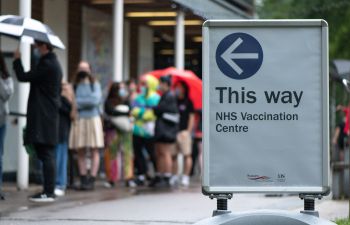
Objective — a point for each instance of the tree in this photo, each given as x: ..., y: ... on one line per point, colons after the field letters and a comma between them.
x: 335, y: 12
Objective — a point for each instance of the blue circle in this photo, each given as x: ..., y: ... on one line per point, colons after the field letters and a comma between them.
x: 247, y: 59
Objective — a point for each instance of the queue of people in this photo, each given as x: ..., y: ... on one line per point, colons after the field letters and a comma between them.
x: 137, y: 131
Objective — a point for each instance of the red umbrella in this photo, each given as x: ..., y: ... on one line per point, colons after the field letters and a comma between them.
x: 193, y: 82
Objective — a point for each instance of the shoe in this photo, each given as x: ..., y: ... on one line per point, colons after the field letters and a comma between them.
x: 108, y: 184
x: 160, y: 182
x: 91, y: 183
x: 164, y: 183
x: 131, y: 183
x: 174, y: 181
x: 140, y: 180
x: 154, y: 182
x: 42, y: 198
x: 59, y: 192
x: 185, y: 181
x: 84, y: 183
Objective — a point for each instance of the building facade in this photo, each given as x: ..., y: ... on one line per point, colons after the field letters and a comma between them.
x: 153, y: 34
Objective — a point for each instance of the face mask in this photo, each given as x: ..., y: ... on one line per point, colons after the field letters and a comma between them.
x: 36, y: 56
x: 36, y: 52
x: 143, y: 90
x: 177, y: 92
x: 123, y: 92
x: 82, y: 75
x: 132, y: 89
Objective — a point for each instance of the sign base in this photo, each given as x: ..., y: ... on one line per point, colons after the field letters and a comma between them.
x: 265, y: 217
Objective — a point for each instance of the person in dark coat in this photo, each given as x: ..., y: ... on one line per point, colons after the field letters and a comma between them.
x: 165, y: 133
x: 42, y: 113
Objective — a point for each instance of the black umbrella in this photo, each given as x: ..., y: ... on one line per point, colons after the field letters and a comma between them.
x: 28, y: 30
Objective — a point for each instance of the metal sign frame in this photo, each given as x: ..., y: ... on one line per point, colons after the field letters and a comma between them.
x: 213, y: 190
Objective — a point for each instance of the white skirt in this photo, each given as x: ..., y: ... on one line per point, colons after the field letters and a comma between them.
x: 86, y: 133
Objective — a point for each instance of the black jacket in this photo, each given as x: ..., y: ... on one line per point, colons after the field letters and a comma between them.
x: 44, y: 99
x: 165, y: 131
x: 111, y: 111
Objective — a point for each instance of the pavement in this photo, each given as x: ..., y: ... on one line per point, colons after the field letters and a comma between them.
x: 144, y: 206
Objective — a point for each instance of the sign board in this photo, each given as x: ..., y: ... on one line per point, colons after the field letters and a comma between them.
x: 265, y: 106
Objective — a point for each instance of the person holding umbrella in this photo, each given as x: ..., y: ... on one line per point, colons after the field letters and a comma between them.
x: 42, y: 112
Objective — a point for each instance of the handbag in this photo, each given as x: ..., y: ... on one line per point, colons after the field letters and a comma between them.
x: 166, y: 131
x: 28, y: 147
x: 122, y: 123
x: 171, y: 117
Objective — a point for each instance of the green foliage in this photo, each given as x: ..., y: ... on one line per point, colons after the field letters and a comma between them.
x: 335, y: 12
x: 342, y: 221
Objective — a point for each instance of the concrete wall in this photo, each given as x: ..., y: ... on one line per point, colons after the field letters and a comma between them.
x: 97, y: 48
x: 56, y: 16
x: 146, y: 49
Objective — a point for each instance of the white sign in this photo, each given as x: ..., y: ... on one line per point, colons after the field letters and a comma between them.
x: 265, y: 106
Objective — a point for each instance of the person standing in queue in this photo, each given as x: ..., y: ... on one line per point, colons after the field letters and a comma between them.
x: 42, y: 113
x: 144, y: 123
x: 66, y: 115
x: 6, y: 90
x: 184, y: 136
x: 86, y: 131
x: 119, y: 135
x: 165, y: 133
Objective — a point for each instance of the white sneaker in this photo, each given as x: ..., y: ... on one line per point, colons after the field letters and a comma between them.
x: 42, y: 198
x: 107, y: 184
x: 174, y: 180
x: 131, y: 184
x: 185, y: 181
x: 59, y: 192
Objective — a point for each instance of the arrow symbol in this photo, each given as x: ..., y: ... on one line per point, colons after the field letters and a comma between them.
x: 228, y: 56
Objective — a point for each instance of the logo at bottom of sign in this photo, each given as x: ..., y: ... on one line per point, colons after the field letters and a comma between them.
x: 281, y: 177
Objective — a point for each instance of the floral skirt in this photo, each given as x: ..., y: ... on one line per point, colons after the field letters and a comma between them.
x: 118, y: 157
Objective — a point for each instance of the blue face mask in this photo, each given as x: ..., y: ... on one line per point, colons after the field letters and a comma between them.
x: 143, y: 90
x: 36, y: 56
x: 36, y: 52
x: 177, y: 92
x: 123, y: 92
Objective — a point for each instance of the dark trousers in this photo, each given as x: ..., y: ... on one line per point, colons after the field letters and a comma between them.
x: 73, y: 167
x: 140, y: 143
x: 46, y: 154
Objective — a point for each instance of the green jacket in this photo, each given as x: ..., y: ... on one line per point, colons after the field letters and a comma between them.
x: 142, y: 109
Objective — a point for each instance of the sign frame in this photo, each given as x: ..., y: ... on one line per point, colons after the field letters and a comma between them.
x: 324, y: 189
